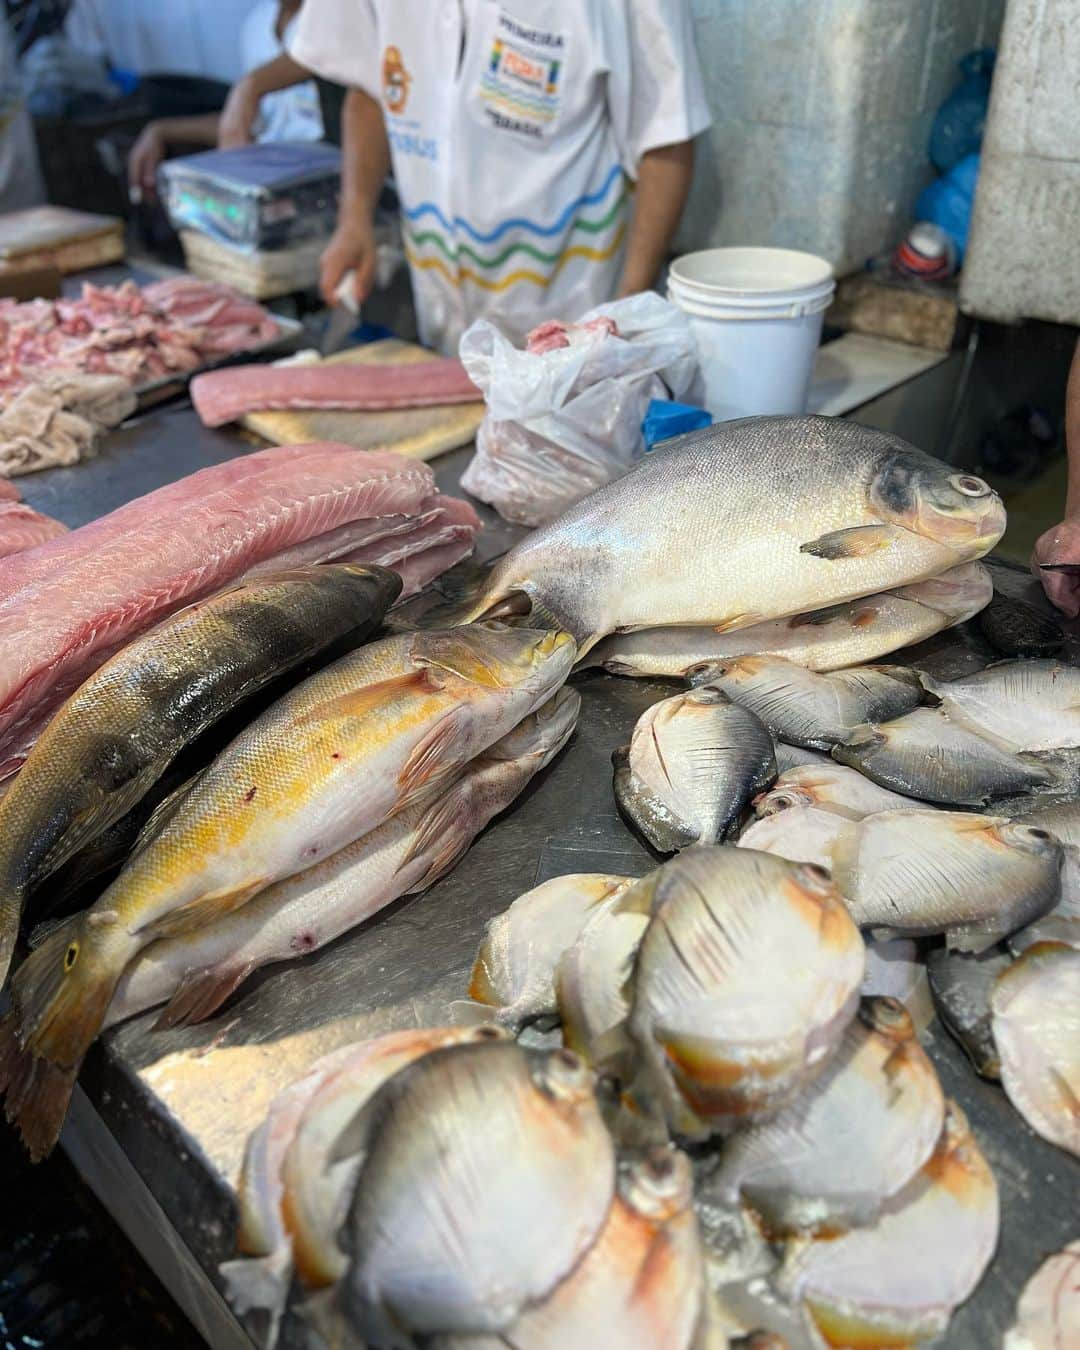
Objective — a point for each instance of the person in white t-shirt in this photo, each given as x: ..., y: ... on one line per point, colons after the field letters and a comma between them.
x: 541, y: 149
x: 275, y: 101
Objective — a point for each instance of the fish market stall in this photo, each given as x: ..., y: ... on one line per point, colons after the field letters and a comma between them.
x: 161, y: 1121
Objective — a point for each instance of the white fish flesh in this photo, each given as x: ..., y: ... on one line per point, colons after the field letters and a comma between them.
x: 929, y: 755
x: 1025, y: 705
x: 897, y: 1282
x: 515, y: 966
x: 693, y: 763
x: 816, y: 711
x: 850, y: 634
x: 775, y: 516
x: 747, y: 974
x: 1036, y: 1021
x: 974, y: 878
x: 856, y: 1135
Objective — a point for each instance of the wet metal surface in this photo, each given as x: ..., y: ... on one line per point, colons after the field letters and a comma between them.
x: 181, y: 1103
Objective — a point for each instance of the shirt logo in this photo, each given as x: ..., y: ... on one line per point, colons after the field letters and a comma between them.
x: 395, y: 81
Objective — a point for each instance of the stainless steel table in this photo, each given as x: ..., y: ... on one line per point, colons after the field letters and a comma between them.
x: 159, y: 1126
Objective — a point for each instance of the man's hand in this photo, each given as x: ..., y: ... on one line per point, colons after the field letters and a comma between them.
x: 238, y: 115
x: 1060, y: 545
x: 351, y: 245
x: 146, y: 154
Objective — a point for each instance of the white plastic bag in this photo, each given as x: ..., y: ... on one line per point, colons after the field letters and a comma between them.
x: 561, y: 424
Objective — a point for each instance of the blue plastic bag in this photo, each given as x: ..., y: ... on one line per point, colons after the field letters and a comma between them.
x: 948, y: 202
x: 958, y: 127
x: 665, y: 419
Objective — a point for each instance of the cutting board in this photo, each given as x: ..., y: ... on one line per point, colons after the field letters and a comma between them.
x: 55, y: 236
x: 420, y: 432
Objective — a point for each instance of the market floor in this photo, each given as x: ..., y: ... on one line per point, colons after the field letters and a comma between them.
x: 68, y: 1276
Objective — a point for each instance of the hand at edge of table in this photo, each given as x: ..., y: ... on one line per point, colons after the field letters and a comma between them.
x: 1059, y: 544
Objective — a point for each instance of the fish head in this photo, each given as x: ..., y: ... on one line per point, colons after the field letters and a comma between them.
x: 658, y: 1184
x: 958, y: 593
x: 732, y: 671
x: 562, y: 1075
x: 543, y: 733
x: 1031, y: 839
x: 919, y: 494
x: 888, y: 1017
x: 779, y: 799
x: 495, y: 656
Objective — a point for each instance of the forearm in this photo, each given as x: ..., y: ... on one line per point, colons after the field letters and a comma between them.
x: 1072, y: 435
x: 365, y: 156
x: 281, y: 73
x: 664, y: 176
x: 200, y: 130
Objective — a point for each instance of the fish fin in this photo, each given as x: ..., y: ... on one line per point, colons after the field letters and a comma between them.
x: 466, y: 1012
x: 201, y: 993
x: 359, y: 702
x: 37, y: 1093
x: 260, y: 1284
x: 204, y: 909
x: 857, y: 542
x: 325, y: 1319
x: 444, y: 831
x: 426, y: 761
x: 741, y: 620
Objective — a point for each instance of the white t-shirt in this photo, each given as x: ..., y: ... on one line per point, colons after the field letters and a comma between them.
x: 289, y: 114
x: 516, y: 128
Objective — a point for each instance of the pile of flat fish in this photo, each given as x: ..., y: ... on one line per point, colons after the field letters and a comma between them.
x: 365, y: 782
x: 842, y: 1198
x: 775, y: 517
x: 448, y: 1187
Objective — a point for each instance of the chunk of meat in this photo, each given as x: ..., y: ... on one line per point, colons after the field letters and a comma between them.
x: 222, y: 396
x: 21, y: 527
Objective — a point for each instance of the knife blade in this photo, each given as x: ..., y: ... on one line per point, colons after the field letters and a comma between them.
x: 343, y: 317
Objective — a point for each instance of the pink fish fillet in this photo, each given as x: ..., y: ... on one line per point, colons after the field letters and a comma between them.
x: 67, y: 605
x: 222, y: 396
x: 9, y: 492
x: 21, y: 527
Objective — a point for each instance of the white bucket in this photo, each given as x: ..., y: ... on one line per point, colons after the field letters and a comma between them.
x: 756, y: 314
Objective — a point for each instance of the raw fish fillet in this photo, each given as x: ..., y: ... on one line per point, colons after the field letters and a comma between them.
x: 9, y: 492
x: 68, y: 605
x: 222, y: 396
x: 22, y: 527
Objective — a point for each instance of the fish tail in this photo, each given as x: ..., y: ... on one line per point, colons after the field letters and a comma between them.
x: 260, y: 1286
x: 59, y: 996
x: 457, y: 597
x: 36, y: 1093
x: 201, y: 993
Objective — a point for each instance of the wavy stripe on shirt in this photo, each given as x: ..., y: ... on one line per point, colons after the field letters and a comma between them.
x: 517, y: 222
x: 418, y: 238
x: 455, y: 277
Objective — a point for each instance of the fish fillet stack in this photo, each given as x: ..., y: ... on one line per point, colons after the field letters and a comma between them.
x: 366, y: 781
x: 842, y: 1199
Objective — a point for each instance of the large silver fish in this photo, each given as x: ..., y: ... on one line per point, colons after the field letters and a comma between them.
x: 928, y: 755
x: 746, y: 521
x: 815, y: 711
x: 974, y: 878
x: 693, y: 763
x: 488, y: 1173
x: 1036, y: 1019
x: 747, y: 974
x: 850, y: 634
x: 831, y: 787
x: 850, y: 1140
x: 897, y: 1281
x: 1024, y: 705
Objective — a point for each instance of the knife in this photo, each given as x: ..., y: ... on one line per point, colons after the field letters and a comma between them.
x: 343, y: 317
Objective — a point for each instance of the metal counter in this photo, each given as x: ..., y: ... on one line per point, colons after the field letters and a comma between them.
x: 159, y: 1127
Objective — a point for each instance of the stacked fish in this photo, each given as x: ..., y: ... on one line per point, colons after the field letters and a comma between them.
x: 363, y: 783
x: 842, y: 1199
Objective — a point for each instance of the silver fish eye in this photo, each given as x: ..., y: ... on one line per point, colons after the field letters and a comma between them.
x: 969, y: 485
x: 1035, y: 833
